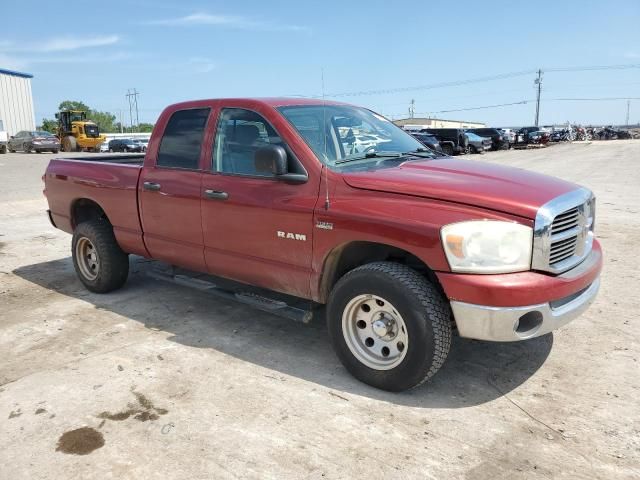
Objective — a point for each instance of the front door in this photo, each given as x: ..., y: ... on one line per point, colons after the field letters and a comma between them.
x: 257, y: 229
x: 169, y: 192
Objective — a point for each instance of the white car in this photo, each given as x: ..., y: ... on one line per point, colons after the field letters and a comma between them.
x: 144, y: 142
x: 510, y: 134
x: 104, y: 147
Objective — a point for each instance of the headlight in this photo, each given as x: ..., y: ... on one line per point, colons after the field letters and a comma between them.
x: 487, y: 246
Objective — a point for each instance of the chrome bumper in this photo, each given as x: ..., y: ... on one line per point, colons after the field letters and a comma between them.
x: 510, y: 324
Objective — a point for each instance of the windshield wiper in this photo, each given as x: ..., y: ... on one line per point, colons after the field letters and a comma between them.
x: 367, y: 155
x: 426, y: 152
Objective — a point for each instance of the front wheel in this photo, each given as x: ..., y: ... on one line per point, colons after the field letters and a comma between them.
x: 390, y: 327
x: 97, y: 258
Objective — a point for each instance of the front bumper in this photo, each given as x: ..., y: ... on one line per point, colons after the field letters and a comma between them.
x: 509, y: 324
x: 517, y: 306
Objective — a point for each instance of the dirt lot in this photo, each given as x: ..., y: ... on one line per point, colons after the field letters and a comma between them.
x: 161, y: 381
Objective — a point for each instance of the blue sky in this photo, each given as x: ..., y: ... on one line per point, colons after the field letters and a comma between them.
x: 173, y: 51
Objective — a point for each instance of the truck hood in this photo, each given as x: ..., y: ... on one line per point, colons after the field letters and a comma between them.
x: 506, y: 189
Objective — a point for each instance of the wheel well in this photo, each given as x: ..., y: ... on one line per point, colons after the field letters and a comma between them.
x: 349, y: 256
x: 84, y: 210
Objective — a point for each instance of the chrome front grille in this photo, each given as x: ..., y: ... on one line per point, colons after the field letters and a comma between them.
x: 563, y: 234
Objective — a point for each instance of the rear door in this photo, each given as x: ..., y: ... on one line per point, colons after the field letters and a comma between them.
x: 257, y: 229
x: 169, y: 191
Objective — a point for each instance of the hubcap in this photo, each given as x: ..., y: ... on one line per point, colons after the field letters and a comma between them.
x: 375, y: 332
x: 87, y: 258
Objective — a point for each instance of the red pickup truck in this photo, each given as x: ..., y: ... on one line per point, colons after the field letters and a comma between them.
x: 333, y: 204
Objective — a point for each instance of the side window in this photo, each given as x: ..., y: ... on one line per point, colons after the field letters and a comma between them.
x: 239, y: 135
x: 182, y: 139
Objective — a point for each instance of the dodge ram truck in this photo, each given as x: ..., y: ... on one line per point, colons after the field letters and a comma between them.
x: 398, y: 247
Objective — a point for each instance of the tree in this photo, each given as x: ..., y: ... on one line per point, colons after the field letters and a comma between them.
x: 48, y: 125
x: 73, y: 105
x: 145, y: 127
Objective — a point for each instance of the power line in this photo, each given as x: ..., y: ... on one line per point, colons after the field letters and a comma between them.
x: 132, y: 97
x: 457, y: 83
x: 522, y: 102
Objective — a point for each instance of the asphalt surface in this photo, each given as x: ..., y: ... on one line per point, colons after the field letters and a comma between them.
x: 162, y: 381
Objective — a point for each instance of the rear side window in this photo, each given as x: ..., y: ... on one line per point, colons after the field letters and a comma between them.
x: 182, y: 139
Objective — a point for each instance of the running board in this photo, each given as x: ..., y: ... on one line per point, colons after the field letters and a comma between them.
x: 259, y: 302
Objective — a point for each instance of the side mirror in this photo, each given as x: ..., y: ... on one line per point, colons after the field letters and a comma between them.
x: 12, y: 137
x: 273, y: 159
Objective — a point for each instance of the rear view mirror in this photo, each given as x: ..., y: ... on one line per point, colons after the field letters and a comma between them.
x: 273, y: 159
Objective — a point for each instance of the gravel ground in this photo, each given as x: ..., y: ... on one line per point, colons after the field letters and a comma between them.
x: 162, y: 381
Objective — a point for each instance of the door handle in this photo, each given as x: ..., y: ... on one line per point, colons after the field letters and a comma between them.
x: 216, y: 194
x: 154, y: 187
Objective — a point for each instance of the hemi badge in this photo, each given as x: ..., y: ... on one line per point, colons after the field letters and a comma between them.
x: 324, y: 225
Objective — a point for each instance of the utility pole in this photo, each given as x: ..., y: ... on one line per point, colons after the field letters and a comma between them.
x: 132, y: 97
x: 538, y: 82
x: 412, y: 108
x: 628, y: 107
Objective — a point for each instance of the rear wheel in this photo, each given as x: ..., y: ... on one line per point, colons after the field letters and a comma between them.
x: 99, y: 261
x: 447, y: 149
x: 389, y: 326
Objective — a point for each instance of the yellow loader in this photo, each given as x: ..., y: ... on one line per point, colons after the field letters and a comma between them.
x: 76, y: 133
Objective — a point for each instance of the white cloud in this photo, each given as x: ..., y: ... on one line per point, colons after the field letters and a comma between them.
x: 74, y: 43
x: 60, y: 44
x: 231, y: 21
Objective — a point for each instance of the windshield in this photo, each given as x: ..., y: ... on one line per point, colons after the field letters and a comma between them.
x: 42, y: 134
x: 339, y: 133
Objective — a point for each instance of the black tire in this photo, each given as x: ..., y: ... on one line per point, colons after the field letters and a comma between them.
x: 3, y: 149
x: 26, y: 148
x: 425, y: 313
x: 447, y: 150
x: 55, y: 151
x: 113, y: 262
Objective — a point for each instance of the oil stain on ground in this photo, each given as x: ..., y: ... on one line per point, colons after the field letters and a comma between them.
x: 145, y: 410
x: 80, y: 441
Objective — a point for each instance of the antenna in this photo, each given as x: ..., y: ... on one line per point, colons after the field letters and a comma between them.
x: 324, y: 136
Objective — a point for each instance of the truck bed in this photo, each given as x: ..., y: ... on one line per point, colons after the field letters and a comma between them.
x: 108, y: 181
x: 129, y: 159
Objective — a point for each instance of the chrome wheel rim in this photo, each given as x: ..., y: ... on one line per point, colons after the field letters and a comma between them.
x: 87, y: 258
x: 375, y: 332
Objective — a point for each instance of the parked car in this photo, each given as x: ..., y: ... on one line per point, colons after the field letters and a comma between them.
x: 4, y: 138
x: 452, y: 140
x: 124, y: 145
x: 477, y: 144
x: 400, y: 244
x: 143, y: 142
x: 104, y: 147
x: 498, y: 140
x: 509, y: 134
x: 427, y: 140
x: 38, y: 141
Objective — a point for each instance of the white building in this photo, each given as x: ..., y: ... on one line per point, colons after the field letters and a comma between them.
x: 16, y: 102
